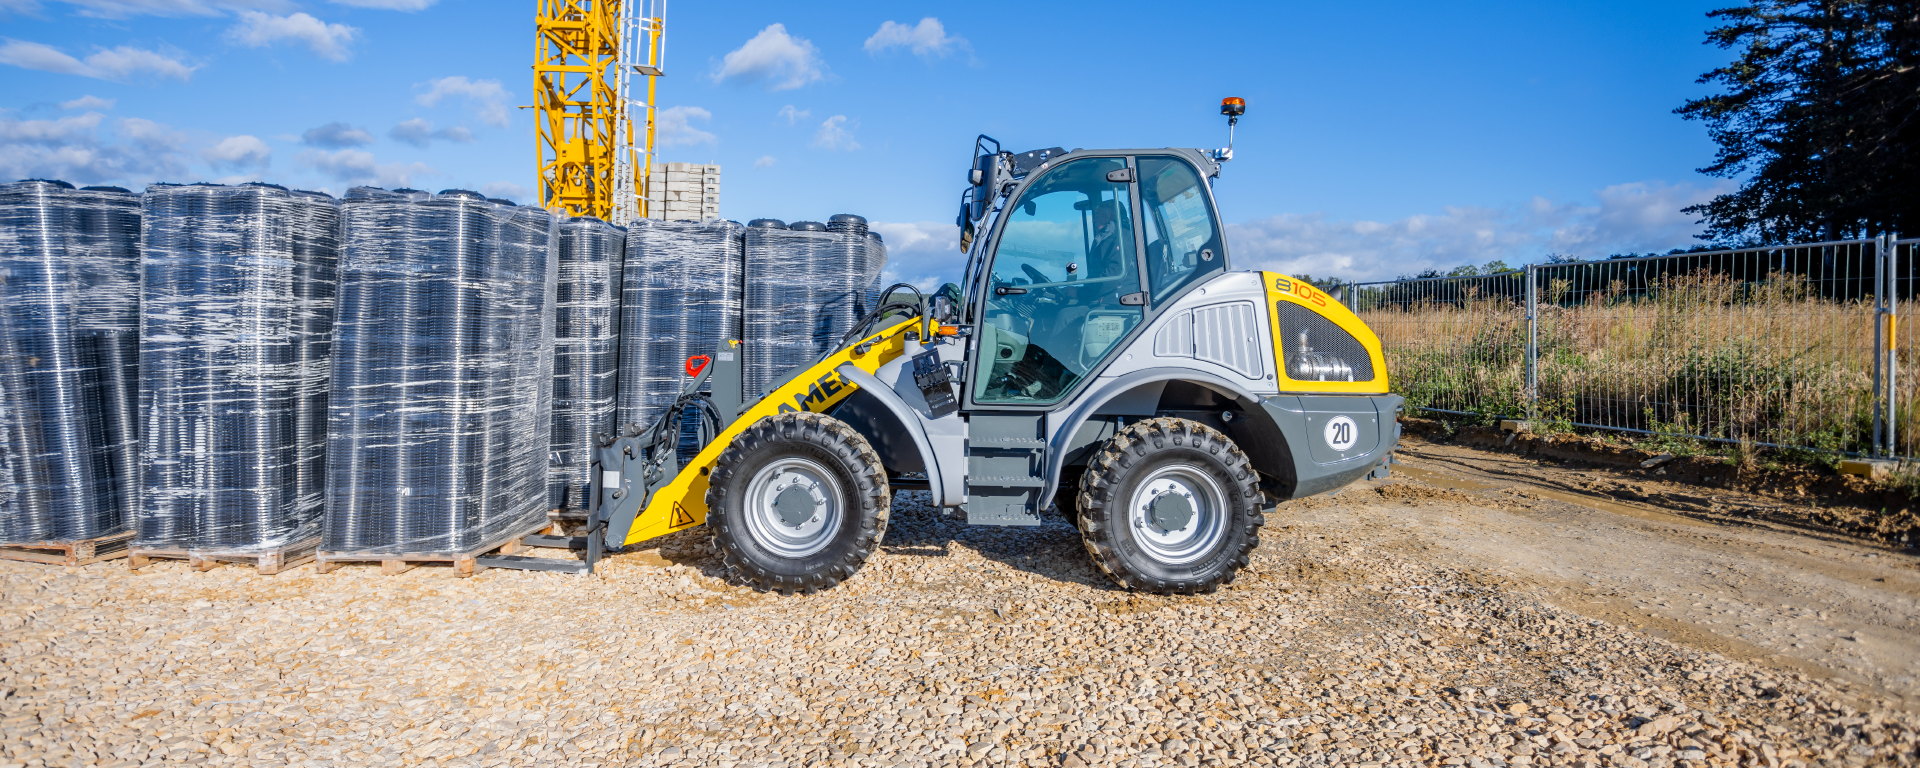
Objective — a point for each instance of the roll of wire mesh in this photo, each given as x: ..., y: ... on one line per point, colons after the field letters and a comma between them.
x: 680, y: 297
x: 69, y: 308
x: 586, y: 352
x: 806, y: 287
x: 437, y: 433
x: 860, y: 246
x: 109, y: 316
x: 234, y: 299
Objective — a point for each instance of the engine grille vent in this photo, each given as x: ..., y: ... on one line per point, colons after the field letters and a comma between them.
x: 1317, y: 350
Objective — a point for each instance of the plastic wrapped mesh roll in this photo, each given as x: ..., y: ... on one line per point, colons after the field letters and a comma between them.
x: 234, y: 306
x: 806, y: 287
x: 438, y: 430
x: 586, y: 352
x: 69, y: 307
x: 109, y: 317
x: 876, y: 261
x: 316, y: 256
x: 864, y: 248
x: 680, y: 296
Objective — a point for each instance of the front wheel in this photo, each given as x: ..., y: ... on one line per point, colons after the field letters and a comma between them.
x: 1170, y: 506
x: 797, y: 503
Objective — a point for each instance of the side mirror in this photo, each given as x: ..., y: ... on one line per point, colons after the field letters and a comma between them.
x: 946, y: 304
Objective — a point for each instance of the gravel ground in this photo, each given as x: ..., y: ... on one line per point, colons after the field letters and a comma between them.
x: 1346, y: 644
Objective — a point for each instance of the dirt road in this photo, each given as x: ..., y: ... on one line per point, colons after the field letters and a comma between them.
x: 1754, y: 592
x: 1474, y: 611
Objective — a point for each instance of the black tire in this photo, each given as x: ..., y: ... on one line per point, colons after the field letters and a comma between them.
x: 1182, y: 451
x: 845, y: 461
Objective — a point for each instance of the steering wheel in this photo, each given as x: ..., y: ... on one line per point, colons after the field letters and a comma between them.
x: 1037, y: 275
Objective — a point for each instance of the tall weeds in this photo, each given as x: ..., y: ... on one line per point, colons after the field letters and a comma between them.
x: 1767, y: 361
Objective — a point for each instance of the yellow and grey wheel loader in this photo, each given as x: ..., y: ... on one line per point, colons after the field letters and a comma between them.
x: 1100, y: 354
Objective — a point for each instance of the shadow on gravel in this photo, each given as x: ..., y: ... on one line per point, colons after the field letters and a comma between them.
x: 1051, y: 550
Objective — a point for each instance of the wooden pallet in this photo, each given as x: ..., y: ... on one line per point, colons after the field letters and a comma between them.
x: 266, y: 563
x: 70, y: 553
x: 463, y: 564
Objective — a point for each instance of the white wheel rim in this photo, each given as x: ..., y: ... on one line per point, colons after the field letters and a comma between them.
x: 1160, y: 532
x: 774, y: 495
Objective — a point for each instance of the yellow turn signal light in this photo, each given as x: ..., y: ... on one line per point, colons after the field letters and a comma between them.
x: 948, y: 330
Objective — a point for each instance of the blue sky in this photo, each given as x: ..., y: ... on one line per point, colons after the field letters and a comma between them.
x: 1381, y: 137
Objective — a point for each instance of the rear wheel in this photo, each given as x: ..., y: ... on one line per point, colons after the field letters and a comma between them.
x: 1170, y: 506
x: 797, y: 503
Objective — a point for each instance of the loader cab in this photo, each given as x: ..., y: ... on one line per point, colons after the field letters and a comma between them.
x: 1079, y: 250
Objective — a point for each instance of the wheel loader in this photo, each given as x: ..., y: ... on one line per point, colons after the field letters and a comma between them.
x: 1101, y: 355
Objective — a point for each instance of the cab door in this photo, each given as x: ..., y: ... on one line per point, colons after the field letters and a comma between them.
x: 1059, y: 294
x: 1062, y: 286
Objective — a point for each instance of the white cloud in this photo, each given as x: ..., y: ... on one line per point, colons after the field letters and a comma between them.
x: 794, y: 116
x: 507, y: 190
x: 765, y: 161
x: 357, y: 166
x: 927, y: 39
x: 835, y: 135
x: 88, y: 102
x: 238, y: 153
x: 119, y: 9
x: 19, y: 6
x: 389, y: 5
x: 1636, y: 217
x: 260, y: 30
x: 72, y: 148
x: 117, y: 64
x: 420, y: 132
x: 336, y: 135
x: 924, y: 253
x: 151, y: 136
x: 779, y: 60
x: 674, y: 127
x: 486, y: 97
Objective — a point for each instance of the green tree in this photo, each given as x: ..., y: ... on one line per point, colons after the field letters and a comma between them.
x: 1817, y: 117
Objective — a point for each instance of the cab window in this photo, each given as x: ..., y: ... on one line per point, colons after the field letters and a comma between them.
x: 1183, y: 245
x: 1053, y: 309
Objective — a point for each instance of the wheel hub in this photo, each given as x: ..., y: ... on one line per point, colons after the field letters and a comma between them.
x: 1179, y: 514
x: 1171, y: 511
x: 793, y: 507
x: 796, y: 505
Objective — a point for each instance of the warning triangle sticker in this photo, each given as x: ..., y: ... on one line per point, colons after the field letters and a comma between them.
x: 680, y: 517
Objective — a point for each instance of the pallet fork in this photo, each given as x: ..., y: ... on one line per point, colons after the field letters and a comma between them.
x: 627, y: 470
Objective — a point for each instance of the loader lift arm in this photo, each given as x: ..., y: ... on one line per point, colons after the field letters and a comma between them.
x: 640, y: 487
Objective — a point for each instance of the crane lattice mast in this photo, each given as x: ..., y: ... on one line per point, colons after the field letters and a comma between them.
x: 588, y: 55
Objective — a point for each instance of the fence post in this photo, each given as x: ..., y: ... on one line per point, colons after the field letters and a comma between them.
x: 1893, y: 344
x: 1533, y: 343
x: 1882, y: 276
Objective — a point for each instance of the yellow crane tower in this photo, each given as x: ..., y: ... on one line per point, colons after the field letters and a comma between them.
x: 588, y: 55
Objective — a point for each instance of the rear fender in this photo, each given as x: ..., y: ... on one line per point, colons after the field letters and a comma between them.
x: 1141, y: 393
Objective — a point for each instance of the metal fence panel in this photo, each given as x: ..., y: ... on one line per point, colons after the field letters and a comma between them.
x: 1793, y: 346
x: 1456, y: 345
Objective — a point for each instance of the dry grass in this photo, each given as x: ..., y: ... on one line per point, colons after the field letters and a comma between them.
x: 1756, y: 362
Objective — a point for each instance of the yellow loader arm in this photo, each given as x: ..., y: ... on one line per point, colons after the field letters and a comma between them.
x: 681, y: 503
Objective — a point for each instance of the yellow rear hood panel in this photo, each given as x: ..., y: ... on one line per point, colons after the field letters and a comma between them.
x: 1285, y: 288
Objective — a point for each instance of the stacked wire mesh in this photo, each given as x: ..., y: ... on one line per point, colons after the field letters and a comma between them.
x: 440, y: 421
x: 69, y: 360
x: 236, y: 311
x: 586, y: 352
x: 807, y: 284
x: 680, y: 297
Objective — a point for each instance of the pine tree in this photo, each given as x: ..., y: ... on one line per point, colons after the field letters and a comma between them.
x: 1818, y: 115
